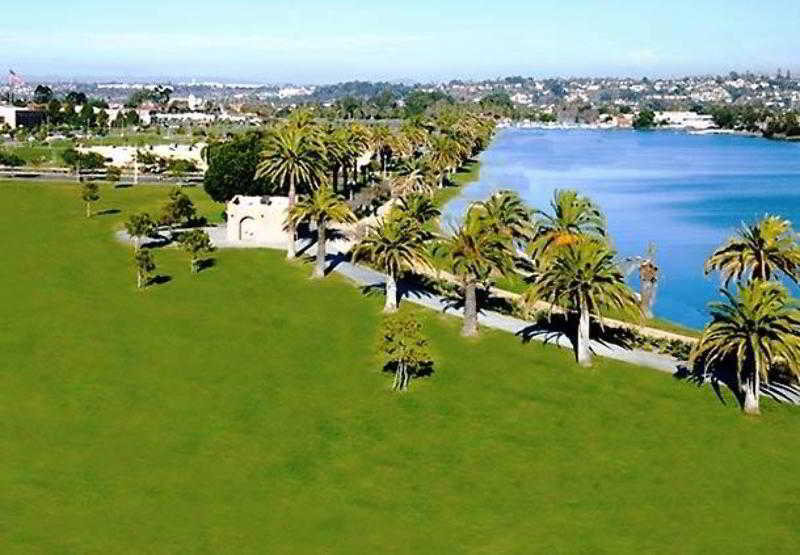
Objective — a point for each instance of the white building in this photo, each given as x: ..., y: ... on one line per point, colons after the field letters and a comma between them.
x: 685, y: 120
x: 257, y: 219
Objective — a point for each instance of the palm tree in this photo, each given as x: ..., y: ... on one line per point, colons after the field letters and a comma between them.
x: 395, y: 247
x: 337, y: 152
x: 758, y: 327
x: 574, y: 217
x: 506, y: 213
x: 444, y: 154
x: 419, y: 208
x: 359, y: 141
x: 474, y: 253
x: 322, y: 207
x: 293, y: 156
x: 383, y: 141
x: 758, y: 251
x: 414, y: 176
x: 584, y: 280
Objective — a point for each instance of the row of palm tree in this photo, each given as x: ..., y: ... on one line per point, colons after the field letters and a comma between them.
x: 756, y: 329
x: 566, y: 252
x: 301, y: 154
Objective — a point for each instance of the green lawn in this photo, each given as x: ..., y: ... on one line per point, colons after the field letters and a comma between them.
x: 243, y: 410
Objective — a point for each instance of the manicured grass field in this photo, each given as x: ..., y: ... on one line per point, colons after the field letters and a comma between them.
x: 243, y: 410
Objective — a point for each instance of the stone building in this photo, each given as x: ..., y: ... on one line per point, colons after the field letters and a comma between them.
x: 257, y: 219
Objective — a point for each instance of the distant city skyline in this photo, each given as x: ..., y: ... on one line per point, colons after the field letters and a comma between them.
x: 317, y: 42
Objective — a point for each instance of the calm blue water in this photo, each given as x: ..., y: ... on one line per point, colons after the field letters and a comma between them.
x: 687, y: 193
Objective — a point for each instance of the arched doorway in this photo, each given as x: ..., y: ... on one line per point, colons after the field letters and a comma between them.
x: 247, y: 229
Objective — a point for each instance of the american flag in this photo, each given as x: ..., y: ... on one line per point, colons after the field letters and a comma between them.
x: 14, y: 79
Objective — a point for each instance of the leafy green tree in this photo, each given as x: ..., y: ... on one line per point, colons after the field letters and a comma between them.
x: 101, y: 119
x: 113, y: 174
x: 89, y: 194
x: 86, y: 117
x: 195, y: 243
x: 232, y: 168
x: 145, y: 266
x: 179, y: 209
x: 42, y: 95
x: 394, y: 247
x: 473, y: 253
x: 138, y: 226
x: 404, y: 348
x: 757, y: 328
x: 293, y: 157
x: 10, y: 159
x: 583, y: 279
x: 758, y: 251
x: 322, y: 207
x: 644, y: 120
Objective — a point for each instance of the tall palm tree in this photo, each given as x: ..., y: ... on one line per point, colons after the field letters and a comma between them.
x: 574, y: 217
x: 757, y: 327
x: 337, y: 152
x: 758, y: 251
x: 419, y: 208
x: 322, y: 207
x: 474, y: 253
x: 414, y: 175
x: 415, y: 134
x: 506, y: 213
x: 359, y: 140
x: 293, y: 157
x: 443, y: 155
x: 583, y: 279
x: 383, y: 141
x: 395, y: 247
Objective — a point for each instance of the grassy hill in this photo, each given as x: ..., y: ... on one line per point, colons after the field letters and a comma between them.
x: 244, y: 410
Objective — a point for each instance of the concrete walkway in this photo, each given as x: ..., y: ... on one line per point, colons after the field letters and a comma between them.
x: 370, y: 278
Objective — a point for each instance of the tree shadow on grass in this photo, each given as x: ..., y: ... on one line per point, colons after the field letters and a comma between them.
x: 782, y: 387
x: 159, y: 280
x: 699, y: 376
x: 422, y: 371
x: 206, y: 264
x: 551, y: 329
x: 108, y: 212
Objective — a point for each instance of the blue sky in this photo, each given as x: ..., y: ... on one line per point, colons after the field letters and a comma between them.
x: 316, y: 41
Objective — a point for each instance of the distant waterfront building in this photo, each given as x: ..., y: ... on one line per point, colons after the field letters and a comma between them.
x: 20, y: 117
x: 685, y: 120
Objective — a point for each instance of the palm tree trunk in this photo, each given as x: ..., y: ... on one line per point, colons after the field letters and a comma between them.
x: 335, y: 179
x: 319, y: 267
x: 139, y: 280
x: 646, y: 296
x: 470, y: 327
x: 391, y: 294
x: 345, y: 172
x: 290, y: 252
x: 583, y: 351
x: 751, y: 393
